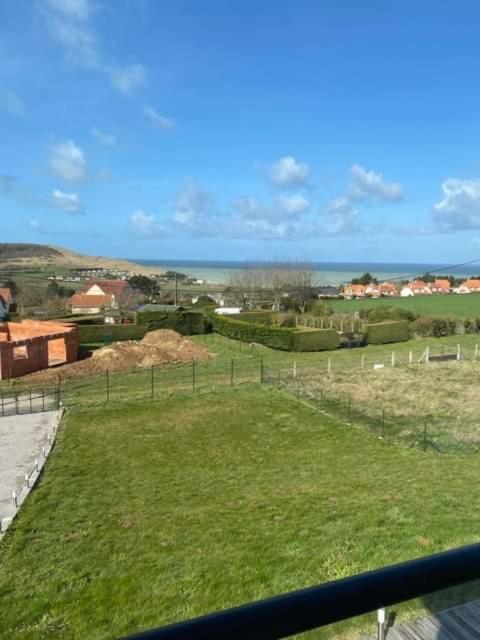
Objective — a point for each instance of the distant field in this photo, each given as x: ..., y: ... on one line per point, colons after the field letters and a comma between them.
x: 148, y: 513
x: 463, y: 306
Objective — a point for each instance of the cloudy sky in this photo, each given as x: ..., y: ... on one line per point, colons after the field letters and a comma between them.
x: 228, y: 129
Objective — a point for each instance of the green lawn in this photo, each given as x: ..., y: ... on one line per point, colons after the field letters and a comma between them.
x: 464, y: 306
x: 149, y: 513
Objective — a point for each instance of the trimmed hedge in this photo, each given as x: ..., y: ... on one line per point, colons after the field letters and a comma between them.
x: 285, y: 339
x: 384, y: 332
x: 316, y: 340
x: 101, y: 332
x: 257, y: 317
x: 187, y: 323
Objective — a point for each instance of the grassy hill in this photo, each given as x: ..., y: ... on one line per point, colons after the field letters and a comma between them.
x: 28, y: 256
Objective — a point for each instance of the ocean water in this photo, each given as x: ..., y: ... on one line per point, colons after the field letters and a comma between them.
x: 333, y: 273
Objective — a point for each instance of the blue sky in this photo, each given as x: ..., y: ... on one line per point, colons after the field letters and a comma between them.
x: 324, y: 130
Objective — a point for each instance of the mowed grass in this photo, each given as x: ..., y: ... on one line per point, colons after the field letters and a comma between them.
x: 463, y: 306
x: 148, y: 513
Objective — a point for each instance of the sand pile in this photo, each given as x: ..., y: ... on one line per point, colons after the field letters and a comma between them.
x: 156, y: 348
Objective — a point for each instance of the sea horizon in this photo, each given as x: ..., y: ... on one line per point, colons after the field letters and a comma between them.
x: 326, y: 273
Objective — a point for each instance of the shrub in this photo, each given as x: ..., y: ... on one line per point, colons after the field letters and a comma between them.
x: 187, y: 323
x: 389, y: 312
x: 428, y: 326
x: 384, y: 332
x: 283, y: 338
x: 288, y: 320
x: 257, y: 317
x: 102, y: 332
x: 316, y: 340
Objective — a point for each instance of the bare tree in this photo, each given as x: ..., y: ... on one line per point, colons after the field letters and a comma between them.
x: 272, y: 283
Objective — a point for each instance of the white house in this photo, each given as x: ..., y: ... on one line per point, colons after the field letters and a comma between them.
x: 228, y: 311
x: 100, y: 295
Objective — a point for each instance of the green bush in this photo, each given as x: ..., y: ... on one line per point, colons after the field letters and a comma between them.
x: 282, y: 338
x: 384, y: 332
x: 316, y: 340
x: 388, y: 312
x: 257, y: 317
x: 187, y: 323
x: 430, y: 326
x: 115, y: 332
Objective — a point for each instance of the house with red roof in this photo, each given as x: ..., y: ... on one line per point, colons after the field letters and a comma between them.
x: 6, y: 302
x: 354, y: 290
x: 441, y: 285
x: 415, y: 288
x: 100, y: 295
x: 471, y: 285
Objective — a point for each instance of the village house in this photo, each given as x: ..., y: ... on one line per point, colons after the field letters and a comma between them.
x: 6, y: 302
x: 98, y: 295
x: 379, y: 290
x: 354, y: 290
x: 415, y: 288
x: 441, y: 285
x: 471, y: 285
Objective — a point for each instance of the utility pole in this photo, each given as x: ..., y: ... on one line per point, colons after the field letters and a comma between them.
x: 176, y: 289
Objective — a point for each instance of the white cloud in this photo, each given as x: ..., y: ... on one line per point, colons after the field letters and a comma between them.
x: 70, y: 26
x: 127, y: 79
x: 368, y: 185
x: 146, y: 225
x: 364, y: 187
x: 460, y: 207
x: 105, y: 138
x: 12, y: 103
x: 68, y: 161
x: 287, y: 173
x: 194, y: 208
x: 157, y: 120
x: 342, y: 217
x: 293, y: 205
x: 68, y: 202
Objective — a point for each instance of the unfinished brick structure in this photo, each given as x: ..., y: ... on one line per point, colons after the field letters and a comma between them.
x: 32, y: 345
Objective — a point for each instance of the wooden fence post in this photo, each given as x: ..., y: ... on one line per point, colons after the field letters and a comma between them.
x: 329, y: 365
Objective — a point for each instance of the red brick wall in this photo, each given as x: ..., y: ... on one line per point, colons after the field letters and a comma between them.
x: 40, y: 339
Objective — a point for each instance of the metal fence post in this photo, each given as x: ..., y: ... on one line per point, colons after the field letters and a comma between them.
x: 425, y: 435
x: 152, y: 382
x: 458, y: 352
x: 108, y: 384
x: 16, y: 403
x: 383, y: 423
x: 381, y: 624
x: 231, y: 373
x: 193, y: 376
x: 348, y: 407
x: 3, y: 405
x: 261, y: 369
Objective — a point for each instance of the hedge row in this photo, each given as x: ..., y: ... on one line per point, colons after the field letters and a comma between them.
x: 257, y: 317
x: 114, y: 332
x: 384, y: 332
x: 284, y: 339
x: 187, y: 323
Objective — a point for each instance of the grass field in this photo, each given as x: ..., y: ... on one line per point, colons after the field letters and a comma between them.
x: 142, y: 518
x: 463, y: 306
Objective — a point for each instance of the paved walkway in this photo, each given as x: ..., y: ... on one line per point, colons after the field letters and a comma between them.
x: 21, y: 441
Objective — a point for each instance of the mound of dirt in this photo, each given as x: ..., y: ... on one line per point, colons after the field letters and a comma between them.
x: 156, y: 348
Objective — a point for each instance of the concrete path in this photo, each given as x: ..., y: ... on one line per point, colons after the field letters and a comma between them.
x: 21, y: 442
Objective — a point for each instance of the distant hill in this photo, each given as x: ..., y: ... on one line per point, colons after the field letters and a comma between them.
x: 26, y: 256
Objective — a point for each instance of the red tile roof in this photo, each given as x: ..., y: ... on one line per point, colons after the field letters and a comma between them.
x: 89, y: 301
x: 109, y: 287
x: 472, y: 283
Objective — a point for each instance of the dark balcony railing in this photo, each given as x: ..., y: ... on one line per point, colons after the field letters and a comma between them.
x: 300, y: 611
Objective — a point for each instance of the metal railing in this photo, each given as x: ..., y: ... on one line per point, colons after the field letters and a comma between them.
x: 319, y: 606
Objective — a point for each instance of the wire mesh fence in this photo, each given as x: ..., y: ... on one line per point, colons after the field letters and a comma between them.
x: 424, y: 429
x: 147, y: 383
